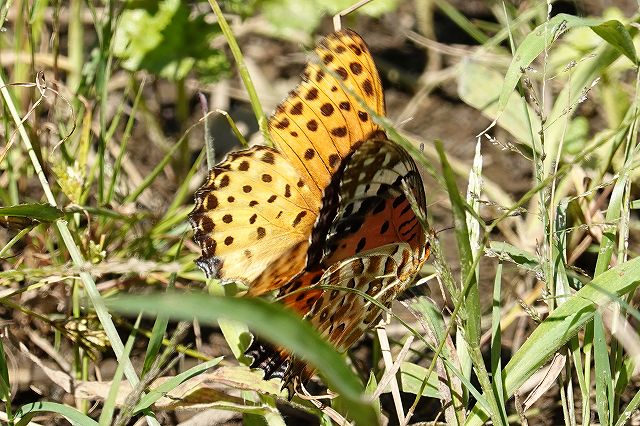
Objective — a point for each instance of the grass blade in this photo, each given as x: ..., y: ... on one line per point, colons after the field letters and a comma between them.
x: 564, y: 323
x: 271, y: 322
x: 75, y: 417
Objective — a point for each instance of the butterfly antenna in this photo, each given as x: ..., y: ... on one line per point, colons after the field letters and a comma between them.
x: 444, y: 229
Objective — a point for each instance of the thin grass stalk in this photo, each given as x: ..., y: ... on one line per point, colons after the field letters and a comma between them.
x: 469, y: 293
x: 244, y: 73
x: 5, y: 383
x: 108, y: 409
x: 148, y: 180
x: 462, y: 22
x: 623, y: 243
x: 72, y: 248
x: 496, y: 345
x: 102, y: 78
x: 81, y: 404
x: 75, y: 44
x: 123, y: 144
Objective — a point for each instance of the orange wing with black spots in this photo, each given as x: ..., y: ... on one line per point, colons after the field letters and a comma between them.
x: 252, y: 208
x: 332, y: 212
x: 374, y: 208
x: 342, y: 313
x: 259, y: 206
x: 320, y: 122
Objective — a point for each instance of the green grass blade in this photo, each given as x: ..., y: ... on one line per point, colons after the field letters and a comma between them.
x: 5, y: 384
x: 471, y: 299
x: 412, y: 380
x: 155, y: 340
x: 533, y: 45
x: 271, y: 322
x: 69, y: 242
x: 564, y: 323
x: 496, y: 345
x: 123, y: 144
x: 236, y: 333
x: 470, y: 294
x: 38, y: 211
x: 148, y: 180
x: 172, y: 383
x: 183, y: 191
x: 244, y: 73
x: 75, y: 417
x: 629, y: 410
x: 461, y: 21
x: 479, y: 87
x: 604, y: 383
x: 509, y: 253
x: 108, y: 408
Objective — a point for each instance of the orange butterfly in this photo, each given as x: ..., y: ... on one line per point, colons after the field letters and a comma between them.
x: 335, y: 210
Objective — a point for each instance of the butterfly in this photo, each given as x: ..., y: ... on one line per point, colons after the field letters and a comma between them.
x: 333, y: 217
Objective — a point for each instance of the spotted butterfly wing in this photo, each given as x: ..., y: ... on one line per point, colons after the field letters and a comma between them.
x: 259, y: 205
x: 375, y: 246
x: 320, y: 122
x: 381, y: 200
x: 250, y: 210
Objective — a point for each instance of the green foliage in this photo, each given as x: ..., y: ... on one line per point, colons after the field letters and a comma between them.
x: 37, y: 212
x: 308, y: 13
x: 166, y: 40
x: 105, y: 213
x: 270, y: 321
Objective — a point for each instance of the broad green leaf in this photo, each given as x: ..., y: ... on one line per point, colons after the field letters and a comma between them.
x: 39, y: 212
x: 533, y: 45
x: 412, y: 377
x: 370, y: 388
x: 614, y: 33
x: 270, y: 322
x: 168, y: 40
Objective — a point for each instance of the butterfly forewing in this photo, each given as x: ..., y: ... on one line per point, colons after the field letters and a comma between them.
x: 320, y: 122
x: 259, y: 205
x: 252, y: 209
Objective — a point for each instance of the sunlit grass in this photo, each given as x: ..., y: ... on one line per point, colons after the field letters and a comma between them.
x: 97, y: 182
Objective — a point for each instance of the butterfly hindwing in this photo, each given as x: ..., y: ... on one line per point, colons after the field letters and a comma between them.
x: 374, y: 207
x: 355, y: 293
x: 374, y: 248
